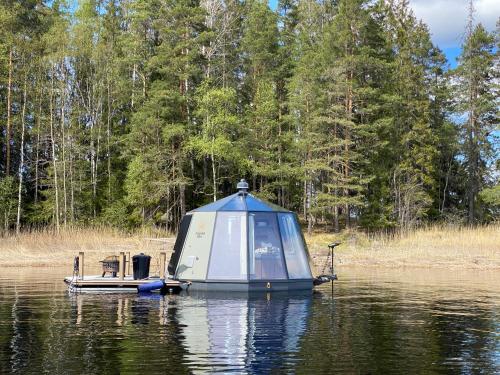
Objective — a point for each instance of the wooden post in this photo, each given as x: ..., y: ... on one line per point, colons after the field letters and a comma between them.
x: 163, y: 259
x: 121, y: 265
x: 128, y: 263
x: 80, y: 264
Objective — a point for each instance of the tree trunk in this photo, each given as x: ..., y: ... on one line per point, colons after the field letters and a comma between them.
x: 108, y: 142
x: 304, y: 197
x: 446, y: 181
x: 205, y: 172
x: 21, y: 163
x: 280, y: 178
x: 9, y: 104
x: 182, y: 198
x: 134, y: 76
x: 52, y: 141
x: 214, y: 175
x: 349, y: 105
x: 37, y: 147
x: 472, y: 167
x: 63, y: 103
x: 71, y: 181
x: 96, y: 163
x: 309, y: 216
x: 336, y: 226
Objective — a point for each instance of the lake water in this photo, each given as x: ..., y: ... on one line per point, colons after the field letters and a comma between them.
x: 374, y: 321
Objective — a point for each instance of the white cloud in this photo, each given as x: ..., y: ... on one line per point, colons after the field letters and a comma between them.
x: 447, y: 18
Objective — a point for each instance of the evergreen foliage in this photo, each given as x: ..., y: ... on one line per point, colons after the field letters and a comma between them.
x: 477, y: 102
x: 133, y: 112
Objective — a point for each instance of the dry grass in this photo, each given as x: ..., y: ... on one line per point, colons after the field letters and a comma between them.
x: 47, y: 249
x: 433, y: 247
x: 441, y: 247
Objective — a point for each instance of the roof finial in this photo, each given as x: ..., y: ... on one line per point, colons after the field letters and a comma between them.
x: 242, y: 187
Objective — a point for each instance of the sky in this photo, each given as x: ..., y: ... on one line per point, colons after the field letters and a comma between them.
x: 447, y: 19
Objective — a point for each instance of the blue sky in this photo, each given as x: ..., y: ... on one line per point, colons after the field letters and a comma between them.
x: 447, y: 18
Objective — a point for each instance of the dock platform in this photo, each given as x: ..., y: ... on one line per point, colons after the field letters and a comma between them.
x: 115, y: 284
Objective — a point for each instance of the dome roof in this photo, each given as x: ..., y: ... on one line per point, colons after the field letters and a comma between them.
x: 241, y: 201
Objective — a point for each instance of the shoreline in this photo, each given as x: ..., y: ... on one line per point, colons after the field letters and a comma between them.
x: 430, y: 248
x: 363, y: 264
x: 437, y: 247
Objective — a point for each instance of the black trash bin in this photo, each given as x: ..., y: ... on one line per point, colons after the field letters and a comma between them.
x: 140, y: 263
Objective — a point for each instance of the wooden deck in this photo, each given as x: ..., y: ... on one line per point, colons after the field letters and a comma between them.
x: 124, y: 282
x: 99, y: 283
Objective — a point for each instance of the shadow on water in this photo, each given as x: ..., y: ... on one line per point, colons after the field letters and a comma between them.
x: 368, y: 325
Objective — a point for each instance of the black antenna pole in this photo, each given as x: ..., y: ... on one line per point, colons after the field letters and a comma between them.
x: 332, y: 246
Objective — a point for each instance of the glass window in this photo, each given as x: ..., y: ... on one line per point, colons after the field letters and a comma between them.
x: 228, y: 260
x: 295, y: 252
x: 265, y: 254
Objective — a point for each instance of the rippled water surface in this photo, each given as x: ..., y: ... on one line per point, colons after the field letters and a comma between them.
x: 374, y: 321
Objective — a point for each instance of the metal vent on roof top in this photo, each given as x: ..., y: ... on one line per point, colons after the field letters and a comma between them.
x: 242, y: 187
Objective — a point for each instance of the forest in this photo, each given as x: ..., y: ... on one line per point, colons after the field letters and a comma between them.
x: 129, y: 113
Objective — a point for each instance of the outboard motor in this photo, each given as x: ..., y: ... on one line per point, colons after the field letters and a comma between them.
x: 324, y: 278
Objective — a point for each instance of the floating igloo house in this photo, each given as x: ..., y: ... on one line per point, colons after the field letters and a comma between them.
x: 241, y: 243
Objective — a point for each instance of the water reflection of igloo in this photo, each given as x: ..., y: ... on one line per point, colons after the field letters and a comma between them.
x: 242, y: 334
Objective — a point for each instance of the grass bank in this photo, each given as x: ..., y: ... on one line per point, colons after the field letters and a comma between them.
x: 434, y: 247
x: 45, y: 248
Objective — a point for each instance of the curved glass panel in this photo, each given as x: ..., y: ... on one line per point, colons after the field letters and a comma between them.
x: 254, y: 204
x: 215, y: 206
x: 295, y: 252
x: 235, y: 204
x: 264, y: 247
x: 228, y: 260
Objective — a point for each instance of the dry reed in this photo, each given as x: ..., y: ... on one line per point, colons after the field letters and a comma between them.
x: 441, y: 247
x: 431, y: 247
x: 45, y: 248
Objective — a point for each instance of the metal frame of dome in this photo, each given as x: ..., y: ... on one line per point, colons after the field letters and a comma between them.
x: 198, y: 248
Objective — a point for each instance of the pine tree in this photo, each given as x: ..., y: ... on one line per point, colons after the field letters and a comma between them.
x: 307, y: 105
x: 447, y: 169
x: 22, y: 31
x: 160, y: 128
x: 412, y: 140
x: 285, y: 182
x: 221, y: 41
x: 131, y: 112
x: 477, y: 100
x: 260, y: 45
x: 9, y: 22
x: 355, y: 62
x: 216, y: 110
